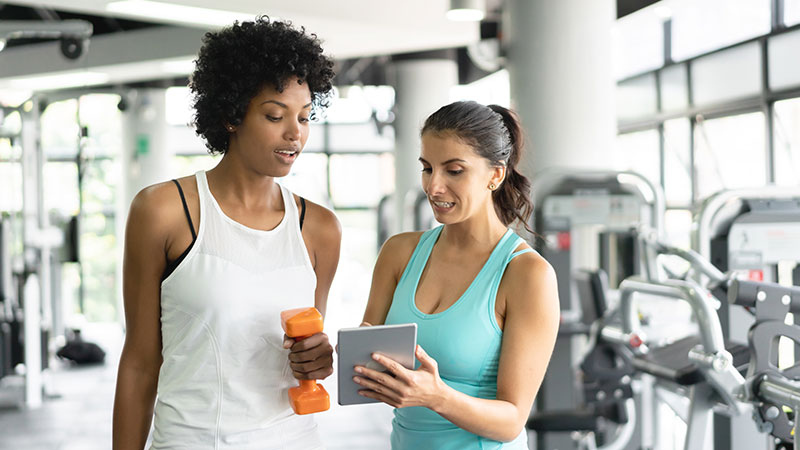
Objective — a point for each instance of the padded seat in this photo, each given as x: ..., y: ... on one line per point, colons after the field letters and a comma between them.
x: 555, y: 421
x: 671, y: 362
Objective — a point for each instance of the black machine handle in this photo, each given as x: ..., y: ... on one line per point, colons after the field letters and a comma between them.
x: 770, y: 299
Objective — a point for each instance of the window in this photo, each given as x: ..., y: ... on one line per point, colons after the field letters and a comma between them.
x: 791, y: 12
x: 309, y: 178
x: 784, y: 68
x: 59, y: 129
x: 638, y: 41
x: 730, y: 153
x: 711, y: 75
x: 674, y: 89
x: 787, y: 142
x: 677, y: 163
x: 636, y: 97
x: 640, y: 153
x: 361, y: 180
x: 693, y: 33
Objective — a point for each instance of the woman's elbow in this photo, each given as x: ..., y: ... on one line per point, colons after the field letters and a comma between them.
x: 513, y: 430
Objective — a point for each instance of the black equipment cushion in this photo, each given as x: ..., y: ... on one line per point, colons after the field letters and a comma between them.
x: 671, y: 362
x: 555, y: 421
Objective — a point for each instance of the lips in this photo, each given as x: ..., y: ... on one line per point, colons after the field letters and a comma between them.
x: 287, y: 155
x: 442, y: 206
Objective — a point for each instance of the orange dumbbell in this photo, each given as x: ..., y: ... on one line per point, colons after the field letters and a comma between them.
x: 309, y: 397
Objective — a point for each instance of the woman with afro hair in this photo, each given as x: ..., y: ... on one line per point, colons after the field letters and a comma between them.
x: 212, y: 259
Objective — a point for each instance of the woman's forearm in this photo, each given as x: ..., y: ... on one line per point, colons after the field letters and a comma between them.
x: 499, y: 420
x: 133, y: 408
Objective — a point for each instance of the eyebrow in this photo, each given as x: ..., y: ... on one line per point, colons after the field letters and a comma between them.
x: 283, y: 105
x: 454, y: 160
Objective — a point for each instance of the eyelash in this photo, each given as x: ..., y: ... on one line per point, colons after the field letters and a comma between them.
x: 277, y: 119
x: 451, y: 172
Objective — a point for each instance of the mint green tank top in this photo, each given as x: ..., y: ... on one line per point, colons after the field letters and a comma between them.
x: 465, y: 341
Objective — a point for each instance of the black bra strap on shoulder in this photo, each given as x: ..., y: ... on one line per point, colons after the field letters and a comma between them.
x: 186, y: 209
x: 302, y: 212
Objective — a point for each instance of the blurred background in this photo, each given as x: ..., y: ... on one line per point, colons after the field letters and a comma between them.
x: 697, y: 96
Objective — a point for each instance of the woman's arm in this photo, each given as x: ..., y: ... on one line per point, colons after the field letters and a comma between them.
x: 143, y: 263
x: 529, y: 334
x: 312, y: 358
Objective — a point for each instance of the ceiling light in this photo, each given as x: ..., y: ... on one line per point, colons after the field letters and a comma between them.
x: 60, y: 80
x: 466, y: 10
x: 178, y: 66
x: 172, y: 12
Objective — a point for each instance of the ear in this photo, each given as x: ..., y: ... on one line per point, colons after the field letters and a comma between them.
x: 230, y: 128
x: 498, y: 175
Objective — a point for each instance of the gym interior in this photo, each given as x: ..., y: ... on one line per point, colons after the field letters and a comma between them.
x: 663, y: 147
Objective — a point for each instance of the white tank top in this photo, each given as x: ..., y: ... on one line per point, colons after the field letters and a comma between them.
x: 224, y: 380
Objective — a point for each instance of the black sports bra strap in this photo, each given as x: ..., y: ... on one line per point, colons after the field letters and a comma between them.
x: 186, y: 209
x: 302, y: 211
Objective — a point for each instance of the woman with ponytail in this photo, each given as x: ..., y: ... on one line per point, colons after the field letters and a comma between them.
x: 485, y: 304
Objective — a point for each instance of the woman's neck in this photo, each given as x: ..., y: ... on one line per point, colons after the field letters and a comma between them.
x: 481, y: 231
x: 232, y: 182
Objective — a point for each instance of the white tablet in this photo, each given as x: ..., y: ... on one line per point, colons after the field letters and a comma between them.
x: 356, y: 345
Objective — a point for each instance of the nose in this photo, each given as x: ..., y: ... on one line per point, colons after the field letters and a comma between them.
x: 436, y: 185
x: 292, y: 132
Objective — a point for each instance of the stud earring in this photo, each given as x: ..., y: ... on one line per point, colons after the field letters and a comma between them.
x: 492, y: 187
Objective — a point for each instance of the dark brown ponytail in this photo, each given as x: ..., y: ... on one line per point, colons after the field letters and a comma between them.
x: 494, y: 132
x: 513, y: 198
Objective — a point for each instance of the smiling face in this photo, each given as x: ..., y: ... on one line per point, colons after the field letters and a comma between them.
x: 456, y: 179
x: 274, y: 129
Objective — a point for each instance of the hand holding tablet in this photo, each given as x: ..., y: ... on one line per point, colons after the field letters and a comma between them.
x: 356, y: 346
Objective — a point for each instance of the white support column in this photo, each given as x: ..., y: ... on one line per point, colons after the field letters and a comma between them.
x: 560, y: 65
x: 421, y: 87
x: 36, y: 290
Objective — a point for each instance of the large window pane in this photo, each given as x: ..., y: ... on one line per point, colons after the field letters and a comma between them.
x: 791, y: 12
x: 100, y: 179
x: 98, y: 247
x: 10, y: 125
x: 61, y: 193
x: 702, y: 26
x: 59, y: 129
x: 640, y: 153
x: 712, y: 79
x: 309, y: 178
x: 674, y: 89
x: 677, y: 163
x: 730, y: 153
x: 356, y: 137
x: 186, y: 165
x: 178, y: 106
x: 10, y: 186
x: 784, y: 66
x: 361, y: 180
x: 100, y: 115
x: 787, y: 142
x: 636, y: 97
x: 638, y: 40
x: 491, y: 89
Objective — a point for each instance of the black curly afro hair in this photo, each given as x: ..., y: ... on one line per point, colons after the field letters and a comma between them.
x: 235, y: 63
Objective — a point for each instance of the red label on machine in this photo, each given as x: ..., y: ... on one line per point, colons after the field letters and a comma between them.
x: 755, y: 275
x: 563, y: 240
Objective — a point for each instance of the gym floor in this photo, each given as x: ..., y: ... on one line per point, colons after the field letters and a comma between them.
x: 76, y: 414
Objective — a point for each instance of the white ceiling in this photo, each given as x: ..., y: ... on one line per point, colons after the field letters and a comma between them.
x: 349, y: 28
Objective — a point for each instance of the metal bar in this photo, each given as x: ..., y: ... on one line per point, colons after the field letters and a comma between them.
x: 690, y: 292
